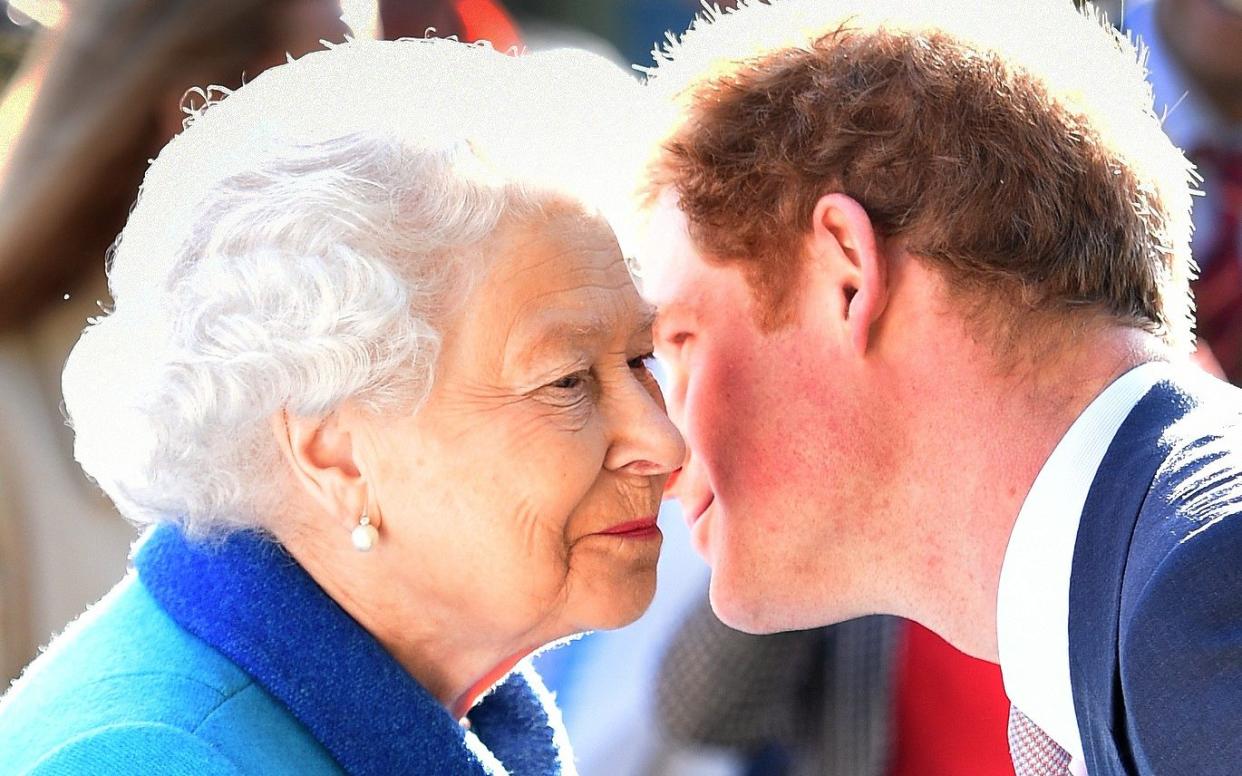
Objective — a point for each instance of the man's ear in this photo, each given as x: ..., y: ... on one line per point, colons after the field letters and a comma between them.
x: 843, y: 238
x: 320, y: 452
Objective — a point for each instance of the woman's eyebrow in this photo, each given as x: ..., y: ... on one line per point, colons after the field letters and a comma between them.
x: 646, y: 319
x: 556, y: 330
x: 551, y: 333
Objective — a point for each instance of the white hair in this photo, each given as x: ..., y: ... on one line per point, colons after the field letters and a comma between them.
x: 298, y: 245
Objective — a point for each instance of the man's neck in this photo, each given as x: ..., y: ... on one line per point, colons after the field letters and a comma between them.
x: 985, y: 436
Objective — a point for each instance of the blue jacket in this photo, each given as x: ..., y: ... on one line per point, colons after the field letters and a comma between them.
x: 1156, y: 590
x: 229, y: 659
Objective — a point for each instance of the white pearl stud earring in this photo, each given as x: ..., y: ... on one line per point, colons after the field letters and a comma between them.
x: 364, y: 534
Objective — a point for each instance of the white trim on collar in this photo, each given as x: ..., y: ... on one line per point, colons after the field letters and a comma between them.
x: 1032, y: 606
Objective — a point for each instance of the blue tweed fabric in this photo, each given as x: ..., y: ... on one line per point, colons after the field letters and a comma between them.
x: 226, y: 659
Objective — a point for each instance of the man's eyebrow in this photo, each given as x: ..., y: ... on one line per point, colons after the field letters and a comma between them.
x: 674, y: 308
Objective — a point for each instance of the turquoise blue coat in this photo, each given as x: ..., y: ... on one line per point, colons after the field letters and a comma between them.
x: 230, y: 660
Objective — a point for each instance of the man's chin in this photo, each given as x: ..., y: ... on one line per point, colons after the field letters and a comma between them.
x: 743, y: 606
x: 751, y: 604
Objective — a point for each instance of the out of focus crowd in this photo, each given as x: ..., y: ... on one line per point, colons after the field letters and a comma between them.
x: 93, y: 89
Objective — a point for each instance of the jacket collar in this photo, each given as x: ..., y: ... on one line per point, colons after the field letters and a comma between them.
x: 248, y: 599
x: 1101, y: 553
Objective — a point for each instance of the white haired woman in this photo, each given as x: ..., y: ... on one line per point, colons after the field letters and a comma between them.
x: 376, y: 377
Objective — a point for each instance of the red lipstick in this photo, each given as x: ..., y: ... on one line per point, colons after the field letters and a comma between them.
x: 644, y: 528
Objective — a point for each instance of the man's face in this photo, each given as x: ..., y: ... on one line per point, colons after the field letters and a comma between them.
x: 773, y: 491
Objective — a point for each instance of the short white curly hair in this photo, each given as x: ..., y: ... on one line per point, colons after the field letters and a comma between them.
x: 297, y: 246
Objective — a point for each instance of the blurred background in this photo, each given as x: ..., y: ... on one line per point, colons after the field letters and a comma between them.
x: 93, y: 88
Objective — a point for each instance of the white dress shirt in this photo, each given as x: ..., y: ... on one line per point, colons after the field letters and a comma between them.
x: 1032, y: 607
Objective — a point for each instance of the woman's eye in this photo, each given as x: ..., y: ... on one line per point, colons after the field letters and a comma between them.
x: 571, y: 388
x: 569, y: 391
x: 568, y: 382
x: 642, y: 362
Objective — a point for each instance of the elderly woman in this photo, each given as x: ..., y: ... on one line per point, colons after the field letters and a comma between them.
x: 377, y: 379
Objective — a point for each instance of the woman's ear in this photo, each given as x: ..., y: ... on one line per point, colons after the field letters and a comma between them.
x: 842, y: 236
x: 321, y: 452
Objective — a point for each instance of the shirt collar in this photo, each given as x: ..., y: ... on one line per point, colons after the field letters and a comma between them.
x: 1032, y: 608
x: 253, y: 603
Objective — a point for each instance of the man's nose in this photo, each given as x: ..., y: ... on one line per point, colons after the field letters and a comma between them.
x: 681, y: 477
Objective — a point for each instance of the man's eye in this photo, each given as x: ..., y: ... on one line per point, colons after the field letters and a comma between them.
x: 672, y: 344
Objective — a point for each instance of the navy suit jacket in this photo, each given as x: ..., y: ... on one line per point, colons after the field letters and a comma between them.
x: 1155, y: 623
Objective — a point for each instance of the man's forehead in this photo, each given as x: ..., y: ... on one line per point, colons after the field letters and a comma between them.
x: 667, y: 215
x: 668, y: 254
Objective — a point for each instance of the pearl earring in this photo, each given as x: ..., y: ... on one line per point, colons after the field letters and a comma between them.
x: 364, y: 534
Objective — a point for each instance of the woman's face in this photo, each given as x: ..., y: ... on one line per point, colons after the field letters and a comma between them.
x: 523, y: 494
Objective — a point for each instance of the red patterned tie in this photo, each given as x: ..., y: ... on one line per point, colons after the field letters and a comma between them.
x: 1034, y: 752
x: 1218, y: 293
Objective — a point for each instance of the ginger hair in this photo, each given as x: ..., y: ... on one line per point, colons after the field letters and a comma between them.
x: 1037, y: 193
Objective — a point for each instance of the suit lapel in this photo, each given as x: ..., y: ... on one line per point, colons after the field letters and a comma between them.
x: 1104, y: 535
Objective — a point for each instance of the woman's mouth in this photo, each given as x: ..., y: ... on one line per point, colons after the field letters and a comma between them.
x: 643, y: 528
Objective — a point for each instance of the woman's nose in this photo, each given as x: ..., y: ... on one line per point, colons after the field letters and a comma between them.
x: 645, y: 441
